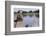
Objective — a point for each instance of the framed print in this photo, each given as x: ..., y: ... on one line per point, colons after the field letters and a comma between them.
x: 24, y: 17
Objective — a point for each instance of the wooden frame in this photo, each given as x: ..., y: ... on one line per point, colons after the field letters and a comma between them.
x: 8, y: 17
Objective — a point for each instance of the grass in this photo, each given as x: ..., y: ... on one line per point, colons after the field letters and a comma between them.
x: 30, y: 14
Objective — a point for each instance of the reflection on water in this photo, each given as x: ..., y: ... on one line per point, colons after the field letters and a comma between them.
x: 30, y: 21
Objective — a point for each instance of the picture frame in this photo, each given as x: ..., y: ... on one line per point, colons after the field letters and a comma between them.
x: 12, y: 6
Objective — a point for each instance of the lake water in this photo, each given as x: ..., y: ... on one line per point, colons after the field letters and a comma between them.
x: 31, y: 21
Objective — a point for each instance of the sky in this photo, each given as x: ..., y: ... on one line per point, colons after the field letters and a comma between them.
x: 25, y: 9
